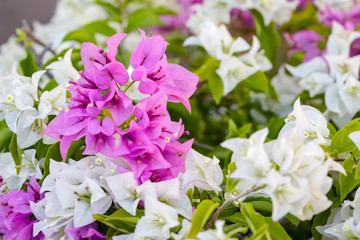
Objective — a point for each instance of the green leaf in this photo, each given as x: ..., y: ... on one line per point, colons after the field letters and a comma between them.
x: 211, y: 65
x: 232, y: 229
x: 16, y: 152
x: 50, y: 85
x: 238, y: 218
x: 28, y: 65
x: 111, y: 9
x: 348, y: 183
x: 341, y: 141
x: 80, y: 35
x: 262, y: 226
x: 232, y: 129
x: 245, y: 129
x: 5, y: 138
x: 254, y: 220
x: 262, y: 233
x: 292, y: 219
x: 74, y: 147
x: 262, y: 206
x: 258, y: 82
x: 101, y: 26
x: 274, y: 126
x: 111, y: 233
x: 216, y: 86
x: 277, y: 232
x: 319, y: 220
x: 121, y: 221
x: 201, y: 216
x: 41, y: 149
x: 268, y: 36
x: 53, y: 152
x: 332, y: 129
x: 144, y: 18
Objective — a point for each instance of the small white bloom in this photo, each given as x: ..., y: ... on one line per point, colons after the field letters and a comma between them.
x: 65, y: 67
x: 202, y: 172
x: 158, y: 220
x: 126, y: 191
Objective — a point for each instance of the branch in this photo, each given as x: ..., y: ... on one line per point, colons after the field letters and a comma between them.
x: 203, y: 145
x: 227, y: 202
x: 30, y: 33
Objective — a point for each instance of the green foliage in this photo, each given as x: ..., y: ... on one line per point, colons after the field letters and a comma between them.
x: 274, y: 125
x: 111, y: 9
x: 146, y: 17
x: 5, y: 137
x: 120, y: 222
x: 201, y: 216
x: 53, y: 152
x: 319, y: 220
x: 259, y: 83
x: 216, y: 86
x: 87, y: 32
x: 50, y: 85
x: 352, y: 180
x: 341, y: 142
x: 80, y: 35
x: 234, y: 131
x: 268, y: 36
x: 262, y: 227
x: 28, y: 65
x: 101, y: 26
x: 16, y: 152
x: 207, y: 72
x: 75, y: 149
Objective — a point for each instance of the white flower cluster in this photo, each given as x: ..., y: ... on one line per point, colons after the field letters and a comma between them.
x: 75, y: 191
x: 25, y: 110
x: 218, y: 11
x: 8, y: 170
x: 293, y: 169
x: 335, y: 74
x: 344, y: 5
x: 219, y: 44
x: 345, y: 222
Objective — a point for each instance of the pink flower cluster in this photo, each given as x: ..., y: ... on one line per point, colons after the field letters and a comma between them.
x: 349, y: 19
x: 113, y: 124
x: 16, y: 216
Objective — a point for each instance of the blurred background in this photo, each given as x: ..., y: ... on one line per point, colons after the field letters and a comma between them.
x: 12, y: 12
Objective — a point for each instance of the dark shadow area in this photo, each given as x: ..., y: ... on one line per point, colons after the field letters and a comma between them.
x: 12, y: 12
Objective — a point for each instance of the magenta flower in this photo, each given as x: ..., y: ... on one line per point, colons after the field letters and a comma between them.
x: 349, y: 19
x: 85, y: 232
x: 102, y: 67
x: 304, y: 41
x: 154, y: 72
x: 16, y: 218
x: 147, y: 141
x: 242, y: 19
x: 178, y: 21
x: 101, y: 112
x: 99, y: 137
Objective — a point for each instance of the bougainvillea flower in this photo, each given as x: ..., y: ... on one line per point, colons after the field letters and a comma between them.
x: 16, y: 220
x: 102, y: 66
x: 304, y: 41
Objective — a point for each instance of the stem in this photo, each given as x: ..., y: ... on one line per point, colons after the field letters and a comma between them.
x: 28, y: 31
x: 129, y: 86
x: 227, y: 202
x: 203, y: 145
